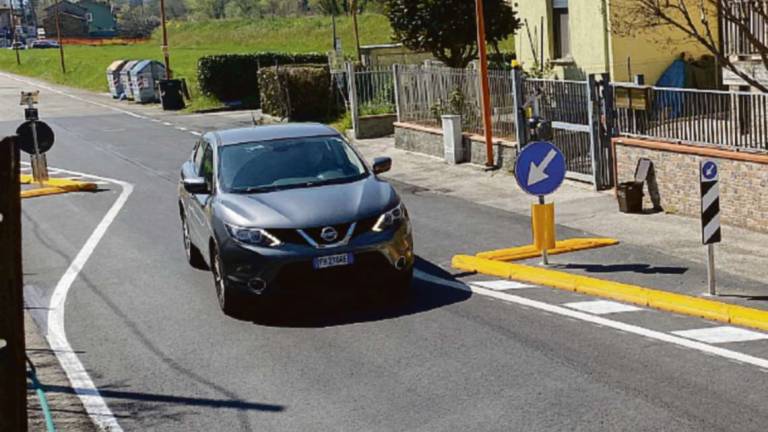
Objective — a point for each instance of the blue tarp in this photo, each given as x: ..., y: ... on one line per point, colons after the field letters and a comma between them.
x: 675, y: 77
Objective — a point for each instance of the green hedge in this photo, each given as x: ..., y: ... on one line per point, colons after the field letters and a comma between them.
x: 233, y: 77
x: 298, y: 92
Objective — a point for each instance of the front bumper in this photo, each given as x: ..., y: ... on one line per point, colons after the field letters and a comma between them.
x: 272, y: 271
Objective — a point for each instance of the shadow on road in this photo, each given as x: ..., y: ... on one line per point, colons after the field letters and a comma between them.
x: 327, y: 306
x: 624, y: 268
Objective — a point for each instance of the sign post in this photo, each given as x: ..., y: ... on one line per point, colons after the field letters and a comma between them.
x: 29, y: 134
x: 710, y: 216
x: 539, y: 171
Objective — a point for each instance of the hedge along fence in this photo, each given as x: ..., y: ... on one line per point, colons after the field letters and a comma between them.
x: 298, y: 92
x: 233, y: 77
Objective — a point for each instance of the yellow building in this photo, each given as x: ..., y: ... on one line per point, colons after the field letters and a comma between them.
x: 580, y: 37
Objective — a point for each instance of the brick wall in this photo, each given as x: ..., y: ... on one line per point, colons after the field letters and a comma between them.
x: 743, y: 179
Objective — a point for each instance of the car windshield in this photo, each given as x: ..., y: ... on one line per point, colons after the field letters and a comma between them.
x: 267, y: 166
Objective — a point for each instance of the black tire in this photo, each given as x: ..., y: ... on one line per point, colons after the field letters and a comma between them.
x: 194, y: 256
x: 230, y: 301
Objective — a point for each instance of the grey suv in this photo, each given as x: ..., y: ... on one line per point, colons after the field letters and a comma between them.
x: 271, y: 208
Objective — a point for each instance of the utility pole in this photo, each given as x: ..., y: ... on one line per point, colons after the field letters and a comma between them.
x: 484, y: 84
x: 13, y: 380
x: 357, y: 32
x: 166, y: 57
x: 13, y: 31
x: 58, y: 36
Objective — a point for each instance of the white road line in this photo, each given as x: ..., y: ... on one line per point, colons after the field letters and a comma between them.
x: 167, y: 124
x: 501, y: 285
x: 721, y: 334
x: 629, y: 328
x: 55, y: 331
x: 602, y: 307
x: 181, y: 128
x: 195, y: 133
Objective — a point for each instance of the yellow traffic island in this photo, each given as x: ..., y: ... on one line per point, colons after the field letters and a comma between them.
x: 531, y: 251
x: 646, y: 297
x: 55, y: 186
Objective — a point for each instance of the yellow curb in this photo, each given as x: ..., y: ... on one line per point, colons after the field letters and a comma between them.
x: 561, y: 247
x: 671, y: 302
x: 55, y: 187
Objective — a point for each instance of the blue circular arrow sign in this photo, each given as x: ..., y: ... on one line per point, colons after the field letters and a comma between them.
x: 709, y: 170
x: 540, y: 168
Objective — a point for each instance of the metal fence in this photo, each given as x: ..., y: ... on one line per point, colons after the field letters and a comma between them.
x: 375, y: 90
x: 425, y: 93
x: 741, y: 15
x: 733, y: 120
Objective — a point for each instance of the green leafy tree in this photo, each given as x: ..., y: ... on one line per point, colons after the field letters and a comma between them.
x: 447, y: 28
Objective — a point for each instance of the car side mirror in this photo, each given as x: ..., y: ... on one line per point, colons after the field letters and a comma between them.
x: 196, y: 185
x: 382, y: 165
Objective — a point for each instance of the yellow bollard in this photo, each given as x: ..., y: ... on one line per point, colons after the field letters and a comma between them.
x: 543, y: 226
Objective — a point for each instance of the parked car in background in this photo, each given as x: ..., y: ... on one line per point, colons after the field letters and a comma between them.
x: 268, y: 208
x: 45, y: 43
x: 17, y: 45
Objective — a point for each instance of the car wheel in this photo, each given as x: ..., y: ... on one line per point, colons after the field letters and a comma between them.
x: 229, y: 301
x: 194, y: 256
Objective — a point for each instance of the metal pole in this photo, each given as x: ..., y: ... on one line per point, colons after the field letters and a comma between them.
x: 58, y: 36
x: 484, y: 84
x: 357, y: 32
x: 166, y: 56
x: 544, y: 253
x: 711, y: 282
x: 13, y: 381
x: 13, y: 31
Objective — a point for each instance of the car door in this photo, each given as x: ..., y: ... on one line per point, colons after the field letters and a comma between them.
x: 199, y: 203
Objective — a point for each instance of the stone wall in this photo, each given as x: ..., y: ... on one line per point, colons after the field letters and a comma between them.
x: 427, y: 140
x: 743, y: 179
x: 376, y: 126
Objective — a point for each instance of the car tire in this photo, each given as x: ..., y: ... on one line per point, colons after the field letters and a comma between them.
x: 231, y: 302
x: 194, y: 256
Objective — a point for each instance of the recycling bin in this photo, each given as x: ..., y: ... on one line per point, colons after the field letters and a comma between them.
x: 113, y: 78
x: 630, y: 196
x: 125, y: 80
x: 145, y: 76
x: 171, y: 95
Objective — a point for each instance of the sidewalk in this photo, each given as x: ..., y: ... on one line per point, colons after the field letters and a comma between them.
x: 661, y: 251
x: 67, y: 411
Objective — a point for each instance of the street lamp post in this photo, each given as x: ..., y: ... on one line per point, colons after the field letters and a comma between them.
x: 484, y: 84
x: 58, y: 36
x: 13, y: 34
x: 166, y: 57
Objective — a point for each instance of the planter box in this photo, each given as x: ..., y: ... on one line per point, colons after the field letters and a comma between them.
x: 376, y: 126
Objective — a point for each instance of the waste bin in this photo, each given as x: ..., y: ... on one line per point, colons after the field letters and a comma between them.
x: 144, y: 77
x: 125, y: 80
x: 113, y: 78
x: 630, y: 195
x: 171, y: 95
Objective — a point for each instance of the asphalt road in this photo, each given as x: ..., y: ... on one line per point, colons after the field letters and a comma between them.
x: 148, y: 330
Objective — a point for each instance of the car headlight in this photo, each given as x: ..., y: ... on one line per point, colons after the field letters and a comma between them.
x: 253, y: 236
x: 390, y: 218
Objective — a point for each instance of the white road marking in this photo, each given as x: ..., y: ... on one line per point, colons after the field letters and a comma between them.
x: 195, y: 133
x: 181, y: 128
x: 167, y: 124
x: 81, y: 382
x: 501, y: 285
x: 722, y: 334
x: 605, y: 322
x: 602, y: 307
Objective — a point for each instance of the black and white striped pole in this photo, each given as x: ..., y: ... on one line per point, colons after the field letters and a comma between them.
x: 710, y: 216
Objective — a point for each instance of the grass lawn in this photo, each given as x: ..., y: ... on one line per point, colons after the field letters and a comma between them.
x: 86, y: 65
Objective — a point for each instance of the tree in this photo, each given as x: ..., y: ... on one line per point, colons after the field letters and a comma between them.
x: 447, y: 28
x: 698, y: 20
x: 215, y: 9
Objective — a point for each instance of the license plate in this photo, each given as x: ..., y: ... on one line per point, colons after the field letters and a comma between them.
x: 333, y: 261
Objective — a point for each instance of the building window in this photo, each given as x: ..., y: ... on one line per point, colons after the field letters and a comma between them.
x: 560, y: 29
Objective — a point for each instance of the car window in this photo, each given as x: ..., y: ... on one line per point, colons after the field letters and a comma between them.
x: 197, y: 155
x: 281, y: 164
x: 206, y: 164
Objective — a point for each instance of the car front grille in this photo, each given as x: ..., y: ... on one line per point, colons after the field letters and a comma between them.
x: 293, y: 236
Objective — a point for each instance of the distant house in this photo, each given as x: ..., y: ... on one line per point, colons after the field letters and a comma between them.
x: 738, y: 47
x: 81, y: 19
x: 577, y: 38
x: 5, y: 20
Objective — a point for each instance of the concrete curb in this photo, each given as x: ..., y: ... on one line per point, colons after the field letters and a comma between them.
x: 561, y: 247
x: 55, y: 187
x: 647, y: 297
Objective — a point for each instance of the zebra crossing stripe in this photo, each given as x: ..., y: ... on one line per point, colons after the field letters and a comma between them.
x: 710, y: 203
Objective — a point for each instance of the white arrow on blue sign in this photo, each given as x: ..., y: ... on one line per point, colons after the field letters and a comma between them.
x: 540, y: 168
